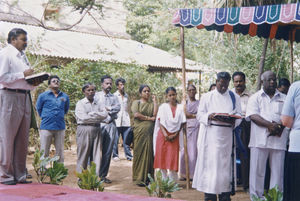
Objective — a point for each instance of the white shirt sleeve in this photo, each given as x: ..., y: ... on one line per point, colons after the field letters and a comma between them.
x: 253, y: 106
x: 6, y: 74
x: 84, y: 116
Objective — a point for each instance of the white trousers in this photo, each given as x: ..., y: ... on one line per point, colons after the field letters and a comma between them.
x: 46, y: 137
x: 258, y: 162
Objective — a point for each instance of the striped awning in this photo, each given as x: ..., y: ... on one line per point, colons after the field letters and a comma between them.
x: 270, y: 21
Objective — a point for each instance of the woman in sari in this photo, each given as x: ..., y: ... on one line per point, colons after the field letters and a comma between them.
x: 192, y: 131
x: 170, y: 121
x: 144, y: 113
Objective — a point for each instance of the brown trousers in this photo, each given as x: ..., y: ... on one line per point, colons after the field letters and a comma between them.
x: 15, y: 116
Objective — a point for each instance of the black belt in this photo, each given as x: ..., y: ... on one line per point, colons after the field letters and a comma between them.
x: 95, y: 125
x: 23, y: 91
x: 221, y: 125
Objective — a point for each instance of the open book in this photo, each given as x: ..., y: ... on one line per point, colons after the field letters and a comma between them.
x: 37, y: 78
x: 226, y: 116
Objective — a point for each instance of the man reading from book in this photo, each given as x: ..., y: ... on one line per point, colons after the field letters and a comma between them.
x: 213, y: 172
x: 15, y: 108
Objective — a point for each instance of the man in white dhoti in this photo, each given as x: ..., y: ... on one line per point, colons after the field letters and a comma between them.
x: 267, y: 139
x: 213, y: 172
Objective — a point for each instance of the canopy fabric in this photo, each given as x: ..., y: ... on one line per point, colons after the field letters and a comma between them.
x: 271, y: 21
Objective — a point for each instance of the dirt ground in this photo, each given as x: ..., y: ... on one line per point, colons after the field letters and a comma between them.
x: 121, y: 175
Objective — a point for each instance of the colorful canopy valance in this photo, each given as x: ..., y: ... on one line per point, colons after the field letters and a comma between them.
x: 271, y: 21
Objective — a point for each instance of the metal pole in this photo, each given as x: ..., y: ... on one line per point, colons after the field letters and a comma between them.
x: 200, y: 83
x: 262, y: 63
x: 186, y: 157
x: 292, y: 61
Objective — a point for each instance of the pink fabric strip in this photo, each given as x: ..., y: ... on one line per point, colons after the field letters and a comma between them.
x: 209, y: 16
x: 246, y: 15
x: 288, y: 12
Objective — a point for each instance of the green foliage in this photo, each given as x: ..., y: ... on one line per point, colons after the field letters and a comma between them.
x: 40, y: 165
x: 57, y: 172
x: 75, y: 74
x: 273, y: 194
x: 80, y: 5
x: 89, y: 179
x: 160, y: 187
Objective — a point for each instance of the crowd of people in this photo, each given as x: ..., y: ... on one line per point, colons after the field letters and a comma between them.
x: 260, y: 129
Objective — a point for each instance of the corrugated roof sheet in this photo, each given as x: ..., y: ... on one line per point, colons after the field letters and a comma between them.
x: 76, y: 45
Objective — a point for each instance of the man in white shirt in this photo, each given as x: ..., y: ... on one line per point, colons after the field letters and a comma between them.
x: 243, y: 152
x: 122, y: 122
x: 213, y: 172
x: 268, y: 139
x: 89, y: 114
x: 15, y: 108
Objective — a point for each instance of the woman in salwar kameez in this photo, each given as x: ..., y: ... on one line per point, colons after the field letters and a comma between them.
x: 144, y: 113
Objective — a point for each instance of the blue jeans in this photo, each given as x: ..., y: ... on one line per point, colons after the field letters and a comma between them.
x: 127, y: 140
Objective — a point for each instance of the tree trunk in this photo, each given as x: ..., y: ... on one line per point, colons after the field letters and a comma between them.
x: 262, y: 64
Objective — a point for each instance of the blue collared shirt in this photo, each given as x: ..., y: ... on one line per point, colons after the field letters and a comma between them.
x: 52, y: 110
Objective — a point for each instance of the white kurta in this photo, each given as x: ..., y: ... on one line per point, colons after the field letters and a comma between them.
x: 213, y: 167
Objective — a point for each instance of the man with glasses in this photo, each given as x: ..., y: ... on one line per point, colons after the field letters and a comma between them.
x: 52, y: 105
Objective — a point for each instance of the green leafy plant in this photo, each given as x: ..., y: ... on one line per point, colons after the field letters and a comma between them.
x: 40, y: 165
x: 57, y: 172
x: 89, y: 179
x: 273, y: 194
x: 160, y: 187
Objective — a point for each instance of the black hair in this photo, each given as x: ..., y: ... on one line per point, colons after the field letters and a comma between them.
x: 52, y: 77
x: 284, y: 82
x: 14, y: 33
x: 223, y: 76
x: 105, y: 77
x: 170, y: 89
x: 142, y: 86
x: 240, y: 74
x: 191, y: 85
x: 211, y: 86
x: 120, y: 80
x: 86, y: 85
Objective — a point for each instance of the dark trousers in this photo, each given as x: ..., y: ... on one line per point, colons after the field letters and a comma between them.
x: 245, y: 157
x: 292, y: 177
x: 127, y: 140
x: 108, y: 132
x: 213, y: 197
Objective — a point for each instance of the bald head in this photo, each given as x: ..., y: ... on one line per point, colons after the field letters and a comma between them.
x: 269, y: 82
x: 266, y: 74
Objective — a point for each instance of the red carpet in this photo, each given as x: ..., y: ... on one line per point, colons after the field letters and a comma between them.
x: 45, y: 192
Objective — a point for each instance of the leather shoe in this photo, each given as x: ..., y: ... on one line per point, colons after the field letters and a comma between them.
x: 24, y: 182
x: 12, y: 182
x: 105, y: 180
